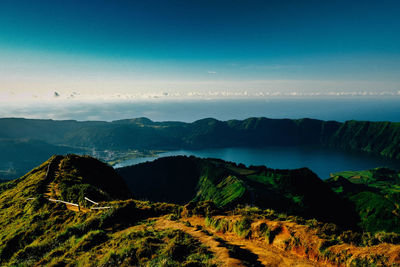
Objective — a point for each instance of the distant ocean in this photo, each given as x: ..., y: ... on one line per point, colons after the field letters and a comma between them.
x: 339, y: 109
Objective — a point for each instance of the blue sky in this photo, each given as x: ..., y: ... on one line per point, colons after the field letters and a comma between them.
x: 129, y: 47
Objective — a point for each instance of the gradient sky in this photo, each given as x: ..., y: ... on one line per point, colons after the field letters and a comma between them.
x: 85, y: 48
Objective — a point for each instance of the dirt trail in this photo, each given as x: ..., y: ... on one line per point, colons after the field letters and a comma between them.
x: 269, y: 255
x: 266, y: 255
x: 75, y: 208
x: 53, y: 170
x: 221, y: 253
x: 52, y: 190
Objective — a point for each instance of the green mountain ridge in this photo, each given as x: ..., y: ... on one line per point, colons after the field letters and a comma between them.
x: 15, y: 161
x: 375, y: 195
x: 381, y: 138
x: 182, y: 179
x: 36, y: 231
x: 367, y: 202
x: 74, y: 177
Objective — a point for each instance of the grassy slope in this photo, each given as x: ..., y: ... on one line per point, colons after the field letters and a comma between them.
x: 182, y: 179
x: 376, y: 137
x: 375, y: 194
x: 314, y: 240
x: 81, y: 176
x: 171, y: 179
x: 39, y: 232
x: 368, y: 199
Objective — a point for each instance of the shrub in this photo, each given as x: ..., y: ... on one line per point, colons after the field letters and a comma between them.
x: 172, y: 217
x: 74, y: 230
x: 243, y: 227
x: 92, y: 239
x: 219, y: 224
x: 384, y: 237
x: 350, y: 237
x: 201, y: 208
x: 265, y: 232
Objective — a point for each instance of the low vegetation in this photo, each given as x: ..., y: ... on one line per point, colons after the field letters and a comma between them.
x: 36, y: 231
x: 375, y: 195
x: 316, y: 240
x: 227, y: 184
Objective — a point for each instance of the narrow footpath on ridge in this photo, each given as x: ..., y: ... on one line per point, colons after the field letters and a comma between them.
x: 231, y: 250
x: 52, y: 192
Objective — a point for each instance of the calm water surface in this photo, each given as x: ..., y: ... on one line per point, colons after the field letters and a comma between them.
x: 321, y: 161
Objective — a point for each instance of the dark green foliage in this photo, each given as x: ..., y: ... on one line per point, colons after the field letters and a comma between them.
x: 76, y: 193
x: 45, y: 137
x: 179, y: 247
x: 376, y: 212
x: 311, y: 197
x: 159, y: 248
x: 201, y: 208
x: 379, y: 137
x: 91, y: 239
x: 375, y: 195
x: 171, y: 179
x: 146, y: 134
x: 375, y: 137
x: 225, y: 191
x: 130, y: 212
x: 243, y: 227
x: 86, y: 176
x: 328, y: 229
x: 266, y: 232
x: 181, y: 179
x: 350, y: 237
x: 219, y: 224
x: 7, y: 185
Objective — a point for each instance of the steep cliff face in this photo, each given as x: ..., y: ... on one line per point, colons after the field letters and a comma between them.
x: 46, y: 137
x: 381, y: 138
x: 259, y: 132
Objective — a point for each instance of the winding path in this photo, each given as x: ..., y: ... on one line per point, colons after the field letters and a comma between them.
x: 259, y: 253
x: 52, y: 191
x: 221, y: 253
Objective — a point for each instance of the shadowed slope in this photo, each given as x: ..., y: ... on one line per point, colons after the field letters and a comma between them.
x: 181, y: 179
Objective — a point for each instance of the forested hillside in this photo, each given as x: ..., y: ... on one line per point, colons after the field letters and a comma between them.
x: 42, y: 138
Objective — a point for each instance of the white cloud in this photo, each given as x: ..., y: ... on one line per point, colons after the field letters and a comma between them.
x: 211, y: 72
x: 135, y: 90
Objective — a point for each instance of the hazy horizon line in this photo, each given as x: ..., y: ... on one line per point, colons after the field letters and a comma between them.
x: 56, y: 97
